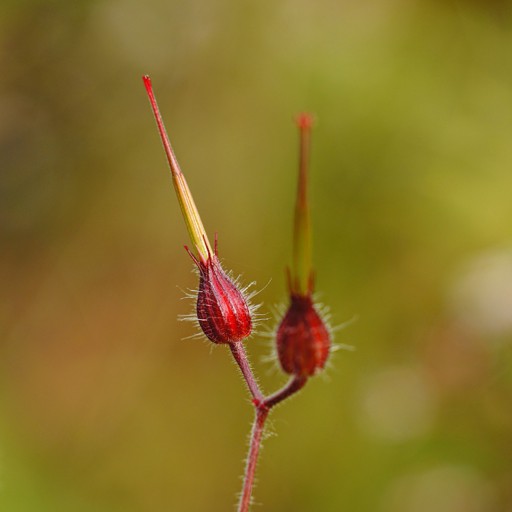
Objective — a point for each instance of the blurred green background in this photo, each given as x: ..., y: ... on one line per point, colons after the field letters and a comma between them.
x: 103, y: 406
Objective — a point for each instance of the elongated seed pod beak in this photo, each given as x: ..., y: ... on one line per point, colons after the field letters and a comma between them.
x: 191, y: 216
x: 301, y: 269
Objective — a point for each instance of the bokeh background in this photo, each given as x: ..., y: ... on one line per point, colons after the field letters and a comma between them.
x: 103, y: 406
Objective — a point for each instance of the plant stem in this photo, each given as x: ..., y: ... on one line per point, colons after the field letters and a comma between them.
x: 252, y: 458
x: 295, y: 384
x: 262, y: 406
x: 262, y: 412
x: 238, y: 351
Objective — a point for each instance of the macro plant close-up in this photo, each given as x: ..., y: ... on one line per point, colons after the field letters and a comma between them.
x: 225, y: 315
x: 342, y: 175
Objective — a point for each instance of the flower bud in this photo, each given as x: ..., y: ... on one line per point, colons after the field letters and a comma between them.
x: 302, y: 338
x: 222, y: 310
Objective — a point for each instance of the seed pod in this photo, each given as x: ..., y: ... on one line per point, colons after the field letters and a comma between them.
x: 222, y: 310
x: 303, y: 340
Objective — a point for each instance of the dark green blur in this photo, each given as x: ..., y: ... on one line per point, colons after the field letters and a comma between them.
x: 103, y: 406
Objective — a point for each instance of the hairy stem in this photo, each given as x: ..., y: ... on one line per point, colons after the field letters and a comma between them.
x: 295, y: 384
x: 262, y: 406
x: 238, y: 351
x: 252, y: 458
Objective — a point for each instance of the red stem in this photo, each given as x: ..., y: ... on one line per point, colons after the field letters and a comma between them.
x: 295, y: 384
x: 262, y: 406
x: 252, y: 458
x: 238, y: 351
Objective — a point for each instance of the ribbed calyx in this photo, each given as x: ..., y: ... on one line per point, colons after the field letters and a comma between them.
x: 303, y: 340
x: 222, y: 310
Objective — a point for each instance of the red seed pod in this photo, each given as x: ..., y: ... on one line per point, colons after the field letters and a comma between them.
x: 303, y: 340
x: 222, y: 310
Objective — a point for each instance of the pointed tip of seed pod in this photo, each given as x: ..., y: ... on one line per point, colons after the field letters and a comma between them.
x: 304, y: 121
x: 189, y: 210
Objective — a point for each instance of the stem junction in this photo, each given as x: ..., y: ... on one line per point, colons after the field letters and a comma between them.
x: 262, y: 407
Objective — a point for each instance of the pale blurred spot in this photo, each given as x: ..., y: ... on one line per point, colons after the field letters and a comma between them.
x: 442, y: 489
x: 455, y: 359
x: 142, y: 35
x: 396, y: 404
x: 481, y: 296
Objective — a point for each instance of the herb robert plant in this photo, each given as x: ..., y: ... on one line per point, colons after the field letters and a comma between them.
x: 223, y: 310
